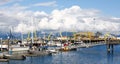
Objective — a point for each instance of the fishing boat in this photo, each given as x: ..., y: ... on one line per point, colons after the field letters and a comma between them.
x: 38, y: 53
x: 68, y: 47
x: 52, y: 49
x: 19, y: 48
x: 4, y: 60
x: 14, y: 57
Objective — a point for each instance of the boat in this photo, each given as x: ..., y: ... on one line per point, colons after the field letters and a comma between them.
x: 19, y: 48
x: 4, y: 60
x: 68, y: 48
x: 38, y: 53
x: 3, y: 47
x: 14, y: 57
x: 52, y: 49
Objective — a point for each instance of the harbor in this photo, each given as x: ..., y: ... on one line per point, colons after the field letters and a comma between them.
x: 51, y: 47
x: 59, y: 32
x: 92, y: 55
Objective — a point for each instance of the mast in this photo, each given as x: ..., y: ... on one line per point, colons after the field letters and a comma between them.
x: 21, y: 37
x: 32, y: 31
x: 66, y: 37
x: 35, y: 34
x: 9, y: 37
x: 44, y: 37
x: 1, y: 44
x: 32, y: 41
x: 60, y: 38
x: 8, y: 43
x: 22, y: 34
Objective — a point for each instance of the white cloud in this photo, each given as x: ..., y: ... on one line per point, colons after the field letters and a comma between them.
x: 3, y: 2
x: 52, y: 3
x: 68, y: 19
x: 38, y: 13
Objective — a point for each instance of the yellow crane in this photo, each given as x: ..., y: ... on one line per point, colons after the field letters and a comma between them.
x: 49, y: 35
x: 89, y: 35
x: 60, y: 34
x: 106, y: 35
x: 35, y: 34
x: 28, y: 37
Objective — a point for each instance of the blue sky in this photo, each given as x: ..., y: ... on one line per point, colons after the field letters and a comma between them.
x: 80, y: 15
x: 107, y: 7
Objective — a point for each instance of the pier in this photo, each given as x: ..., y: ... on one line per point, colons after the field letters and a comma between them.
x: 109, y: 42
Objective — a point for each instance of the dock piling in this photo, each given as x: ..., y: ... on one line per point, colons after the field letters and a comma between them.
x: 110, y: 48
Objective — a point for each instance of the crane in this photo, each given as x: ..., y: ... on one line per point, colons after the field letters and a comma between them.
x: 28, y: 36
x: 49, y: 35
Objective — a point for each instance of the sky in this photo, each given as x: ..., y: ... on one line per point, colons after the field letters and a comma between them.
x: 60, y: 15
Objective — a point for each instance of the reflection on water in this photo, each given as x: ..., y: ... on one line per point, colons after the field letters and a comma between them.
x: 93, y: 55
x: 110, y: 58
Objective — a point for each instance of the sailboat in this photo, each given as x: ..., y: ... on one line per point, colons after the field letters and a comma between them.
x: 2, y: 59
x: 10, y: 54
x: 36, y: 50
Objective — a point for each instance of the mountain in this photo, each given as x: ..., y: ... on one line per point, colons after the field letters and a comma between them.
x: 5, y: 35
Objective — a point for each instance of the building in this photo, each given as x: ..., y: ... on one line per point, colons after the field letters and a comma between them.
x: 83, y: 35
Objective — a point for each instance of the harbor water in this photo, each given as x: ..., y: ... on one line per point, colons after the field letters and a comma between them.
x: 92, y: 55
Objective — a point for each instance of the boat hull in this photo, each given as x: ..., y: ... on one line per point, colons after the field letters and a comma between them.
x: 38, y: 53
x: 15, y: 57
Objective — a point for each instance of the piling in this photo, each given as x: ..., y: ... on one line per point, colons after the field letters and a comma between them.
x: 110, y: 48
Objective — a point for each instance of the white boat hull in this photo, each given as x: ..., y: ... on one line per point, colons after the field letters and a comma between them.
x: 20, y: 49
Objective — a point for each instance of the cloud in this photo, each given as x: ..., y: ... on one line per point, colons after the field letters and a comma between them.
x: 79, y: 20
x: 68, y: 19
x: 3, y: 2
x: 52, y: 3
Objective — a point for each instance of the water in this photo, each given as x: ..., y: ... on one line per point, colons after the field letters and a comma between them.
x: 93, y: 55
